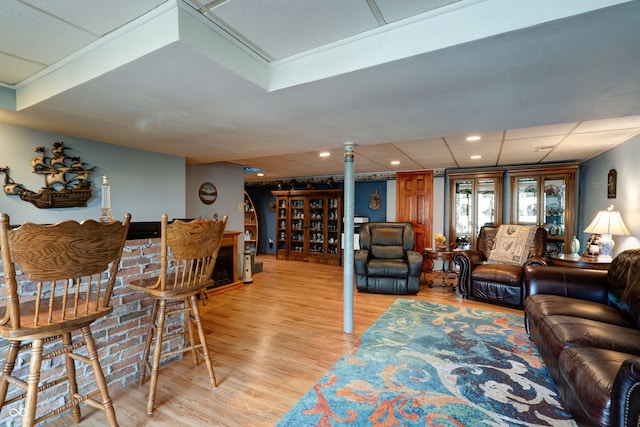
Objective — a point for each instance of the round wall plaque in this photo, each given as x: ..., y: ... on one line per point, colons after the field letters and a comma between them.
x: 207, y: 193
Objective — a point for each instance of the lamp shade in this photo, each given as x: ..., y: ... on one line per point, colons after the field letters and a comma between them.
x: 608, y: 222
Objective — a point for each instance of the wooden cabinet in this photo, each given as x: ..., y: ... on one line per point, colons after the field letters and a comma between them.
x: 309, y: 225
x: 546, y: 196
x: 250, y: 225
x: 475, y: 200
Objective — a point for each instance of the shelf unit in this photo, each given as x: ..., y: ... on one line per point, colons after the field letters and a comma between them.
x: 250, y: 225
x: 309, y: 225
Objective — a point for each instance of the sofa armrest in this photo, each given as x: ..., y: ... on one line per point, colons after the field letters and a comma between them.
x: 467, y: 260
x: 565, y: 281
x: 625, y: 395
x: 537, y: 260
x: 360, y: 258
x: 415, y: 260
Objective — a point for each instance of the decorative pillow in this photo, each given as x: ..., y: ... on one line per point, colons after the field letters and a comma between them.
x: 512, y: 244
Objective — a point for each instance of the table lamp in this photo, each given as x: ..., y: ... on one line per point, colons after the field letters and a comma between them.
x: 607, y: 223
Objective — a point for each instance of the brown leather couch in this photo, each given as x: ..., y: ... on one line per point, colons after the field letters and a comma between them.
x: 500, y: 283
x: 586, y: 326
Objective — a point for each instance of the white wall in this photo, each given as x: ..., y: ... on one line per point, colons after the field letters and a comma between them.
x: 143, y: 183
x: 391, y: 200
x: 439, y: 206
x: 229, y: 181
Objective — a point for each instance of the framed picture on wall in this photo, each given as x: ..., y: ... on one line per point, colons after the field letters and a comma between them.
x: 612, y: 179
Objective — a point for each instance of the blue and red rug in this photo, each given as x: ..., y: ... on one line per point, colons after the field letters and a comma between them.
x: 433, y: 364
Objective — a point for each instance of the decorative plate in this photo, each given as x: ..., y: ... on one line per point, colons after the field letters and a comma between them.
x: 208, y: 193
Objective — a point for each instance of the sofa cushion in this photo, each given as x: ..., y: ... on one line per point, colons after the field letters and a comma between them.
x: 541, y: 305
x: 512, y: 244
x: 590, y: 372
x: 507, y: 274
x: 624, y: 284
x: 560, y: 332
x: 388, y: 268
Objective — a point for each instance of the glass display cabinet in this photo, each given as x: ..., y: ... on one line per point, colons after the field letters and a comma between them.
x: 546, y: 197
x: 309, y: 225
x: 476, y: 200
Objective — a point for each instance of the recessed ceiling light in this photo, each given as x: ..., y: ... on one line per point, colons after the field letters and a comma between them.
x: 475, y: 157
x: 473, y: 138
x: 395, y: 162
x: 260, y: 174
x: 325, y: 154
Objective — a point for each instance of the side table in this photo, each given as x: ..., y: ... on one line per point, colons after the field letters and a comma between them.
x: 566, y: 260
x: 440, y: 254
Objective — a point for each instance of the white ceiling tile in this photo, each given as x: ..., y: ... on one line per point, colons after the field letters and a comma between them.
x: 97, y: 17
x: 286, y: 27
x: 486, y: 138
x: 540, y: 131
x: 53, y: 41
x: 629, y: 122
x: 14, y: 70
x: 529, y: 147
x: 596, y: 139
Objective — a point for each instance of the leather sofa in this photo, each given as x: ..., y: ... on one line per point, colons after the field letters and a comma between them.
x: 493, y: 282
x: 586, y: 326
x: 386, y: 262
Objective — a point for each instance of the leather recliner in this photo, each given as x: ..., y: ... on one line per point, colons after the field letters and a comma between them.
x: 500, y: 283
x: 386, y: 262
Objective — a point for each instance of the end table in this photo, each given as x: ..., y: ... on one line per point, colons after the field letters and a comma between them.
x: 566, y: 260
x: 444, y: 254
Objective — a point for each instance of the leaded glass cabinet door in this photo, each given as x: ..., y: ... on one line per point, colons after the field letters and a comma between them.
x: 475, y: 200
x: 526, y: 199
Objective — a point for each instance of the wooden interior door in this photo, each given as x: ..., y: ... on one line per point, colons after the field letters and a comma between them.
x: 414, y: 203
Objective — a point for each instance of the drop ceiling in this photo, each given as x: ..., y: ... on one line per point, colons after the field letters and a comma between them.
x: 271, y: 84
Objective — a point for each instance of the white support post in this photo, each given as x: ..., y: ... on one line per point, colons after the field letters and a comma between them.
x: 349, y: 207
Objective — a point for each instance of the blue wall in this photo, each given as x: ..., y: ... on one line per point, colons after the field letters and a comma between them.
x: 363, y: 194
x: 143, y: 183
x: 593, y: 191
x: 261, y: 197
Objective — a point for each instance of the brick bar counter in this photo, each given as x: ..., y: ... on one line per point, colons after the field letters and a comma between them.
x: 120, y: 336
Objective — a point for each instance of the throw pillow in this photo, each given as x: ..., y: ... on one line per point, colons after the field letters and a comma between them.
x: 512, y: 244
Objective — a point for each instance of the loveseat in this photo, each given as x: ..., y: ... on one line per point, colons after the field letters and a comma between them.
x: 586, y: 326
x: 491, y: 273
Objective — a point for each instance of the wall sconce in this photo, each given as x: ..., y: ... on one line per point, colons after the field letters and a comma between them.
x: 607, y: 223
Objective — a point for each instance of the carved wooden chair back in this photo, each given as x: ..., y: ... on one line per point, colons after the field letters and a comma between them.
x: 58, y: 278
x: 188, y: 253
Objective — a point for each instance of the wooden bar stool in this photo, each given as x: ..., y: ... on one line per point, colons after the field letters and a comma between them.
x: 68, y: 271
x: 188, y: 254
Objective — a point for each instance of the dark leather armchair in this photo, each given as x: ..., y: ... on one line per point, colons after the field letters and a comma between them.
x: 386, y: 262
x: 501, y: 283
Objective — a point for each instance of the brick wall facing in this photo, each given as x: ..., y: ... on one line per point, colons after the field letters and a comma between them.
x: 120, y: 337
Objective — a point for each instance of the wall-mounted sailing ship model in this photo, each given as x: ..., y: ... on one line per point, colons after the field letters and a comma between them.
x: 66, y: 180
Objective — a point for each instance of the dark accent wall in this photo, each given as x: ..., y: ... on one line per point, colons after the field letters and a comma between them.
x: 261, y: 197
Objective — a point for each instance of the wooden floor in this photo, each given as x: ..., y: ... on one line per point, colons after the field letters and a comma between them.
x: 271, y: 341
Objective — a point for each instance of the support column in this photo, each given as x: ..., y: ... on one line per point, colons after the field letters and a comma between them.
x: 349, y: 206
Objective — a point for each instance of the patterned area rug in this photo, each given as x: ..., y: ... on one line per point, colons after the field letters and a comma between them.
x: 432, y: 364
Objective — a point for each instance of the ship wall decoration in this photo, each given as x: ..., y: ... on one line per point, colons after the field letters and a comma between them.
x: 66, y: 180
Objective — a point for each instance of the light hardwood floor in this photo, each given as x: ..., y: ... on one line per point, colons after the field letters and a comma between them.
x: 270, y: 340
